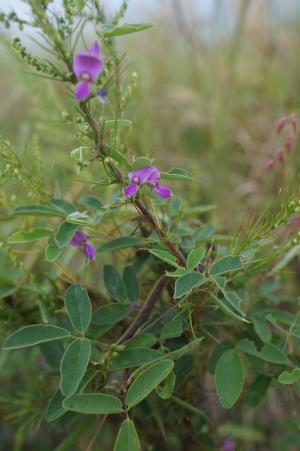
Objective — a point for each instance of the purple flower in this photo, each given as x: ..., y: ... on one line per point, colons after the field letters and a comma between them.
x: 102, y: 96
x: 80, y: 240
x: 149, y: 175
x: 87, y: 66
x: 228, y: 444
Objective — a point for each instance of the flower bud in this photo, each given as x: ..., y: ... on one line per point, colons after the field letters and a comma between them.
x: 289, y: 143
x: 280, y: 124
x: 280, y: 154
x: 270, y: 164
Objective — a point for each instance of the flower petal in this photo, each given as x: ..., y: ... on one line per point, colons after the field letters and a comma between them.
x: 90, y: 251
x: 102, y: 95
x: 82, y: 91
x: 131, y: 190
x: 88, y: 63
x: 95, y: 49
x: 78, y: 238
x: 148, y: 174
x: 163, y: 191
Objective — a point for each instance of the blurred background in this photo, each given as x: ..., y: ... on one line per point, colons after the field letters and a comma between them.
x: 214, y: 77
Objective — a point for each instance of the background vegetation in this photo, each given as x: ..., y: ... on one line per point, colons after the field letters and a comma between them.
x: 203, y: 97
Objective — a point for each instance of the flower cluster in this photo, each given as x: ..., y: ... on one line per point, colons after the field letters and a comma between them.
x: 148, y: 175
x: 80, y: 240
x: 87, y: 66
x: 286, y: 128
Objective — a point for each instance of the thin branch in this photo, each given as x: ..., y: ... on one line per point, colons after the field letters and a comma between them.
x: 147, y: 308
x: 98, y: 429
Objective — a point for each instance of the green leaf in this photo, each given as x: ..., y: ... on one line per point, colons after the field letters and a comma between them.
x: 73, y: 365
x: 132, y: 357
x: 33, y: 335
x: 235, y: 301
x: 79, y: 307
x: 143, y: 341
x: 93, y: 403
x: 220, y: 282
x: 7, y: 290
x: 229, y: 378
x: 121, y: 243
x: 90, y: 202
x: 223, y: 304
x: 218, y: 350
x: 176, y: 174
x: 185, y: 284
x: 65, y: 233
x: 289, y: 378
x: 53, y: 352
x: 172, y: 329
x: 269, y: 353
x: 36, y: 210
x: 188, y: 348
x: 114, y: 283
x: 120, y: 158
x: 262, y: 328
x: 195, y: 257
x: 225, y: 264
x: 178, y: 273
x: 257, y: 390
x: 165, y: 256
x: 64, y: 205
x: 147, y: 381
x: 131, y: 283
x: 127, y: 438
x: 27, y: 237
x: 53, y: 252
x: 55, y: 409
x: 109, y: 314
x: 141, y: 162
x: 110, y: 30
x: 117, y: 123
x: 165, y: 391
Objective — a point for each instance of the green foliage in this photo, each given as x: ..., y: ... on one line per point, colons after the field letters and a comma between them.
x: 181, y: 289
x: 93, y: 403
x: 79, y: 308
x: 229, y: 378
x: 127, y: 438
x: 73, y: 365
x: 33, y: 335
x: 147, y: 381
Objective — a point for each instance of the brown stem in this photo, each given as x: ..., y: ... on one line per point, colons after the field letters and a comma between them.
x: 150, y: 218
x: 157, y: 320
x: 99, y: 427
x: 146, y: 309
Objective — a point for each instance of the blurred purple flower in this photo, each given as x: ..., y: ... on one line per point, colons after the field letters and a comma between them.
x: 80, y: 240
x: 102, y: 96
x: 228, y: 444
x: 149, y: 175
x: 87, y: 66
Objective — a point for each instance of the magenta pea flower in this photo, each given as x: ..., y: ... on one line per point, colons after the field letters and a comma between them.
x: 80, y: 240
x: 87, y: 66
x: 149, y: 175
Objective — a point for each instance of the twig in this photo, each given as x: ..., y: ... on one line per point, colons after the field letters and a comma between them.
x: 146, y: 309
x: 99, y: 427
